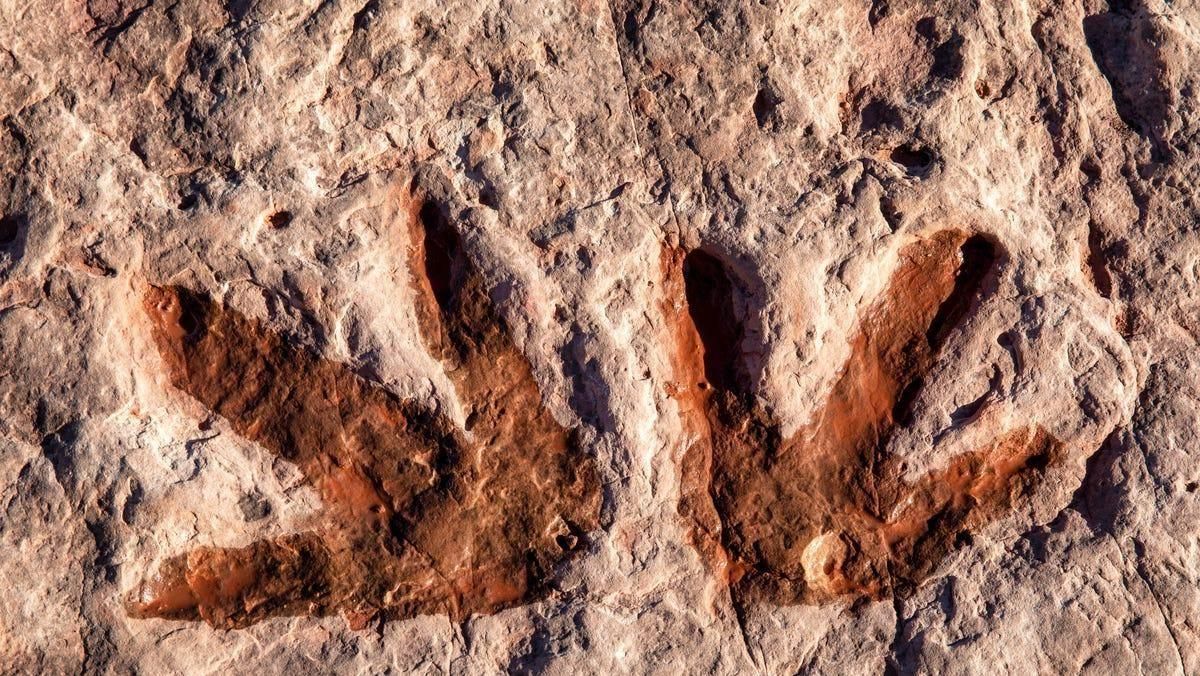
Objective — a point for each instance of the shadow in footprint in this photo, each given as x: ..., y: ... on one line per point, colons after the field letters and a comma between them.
x: 1126, y: 46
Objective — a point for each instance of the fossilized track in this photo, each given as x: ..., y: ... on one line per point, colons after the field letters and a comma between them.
x: 827, y: 512
x: 418, y: 516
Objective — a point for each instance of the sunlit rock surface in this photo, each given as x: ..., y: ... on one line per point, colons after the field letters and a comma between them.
x: 599, y: 337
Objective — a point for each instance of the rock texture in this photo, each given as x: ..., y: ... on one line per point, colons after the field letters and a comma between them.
x: 599, y: 337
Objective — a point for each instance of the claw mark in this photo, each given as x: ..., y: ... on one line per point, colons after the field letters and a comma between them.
x: 828, y: 511
x: 418, y: 518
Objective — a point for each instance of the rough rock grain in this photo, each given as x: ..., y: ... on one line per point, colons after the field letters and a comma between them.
x: 822, y: 336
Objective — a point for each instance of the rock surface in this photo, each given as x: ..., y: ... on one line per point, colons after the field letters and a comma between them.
x: 625, y: 337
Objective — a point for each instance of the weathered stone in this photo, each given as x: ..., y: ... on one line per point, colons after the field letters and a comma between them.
x: 813, y: 336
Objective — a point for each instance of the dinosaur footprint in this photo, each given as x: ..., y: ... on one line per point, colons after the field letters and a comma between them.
x: 828, y: 512
x: 419, y: 517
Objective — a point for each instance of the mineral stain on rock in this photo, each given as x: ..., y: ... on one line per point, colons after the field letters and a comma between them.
x: 828, y: 512
x: 419, y: 516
